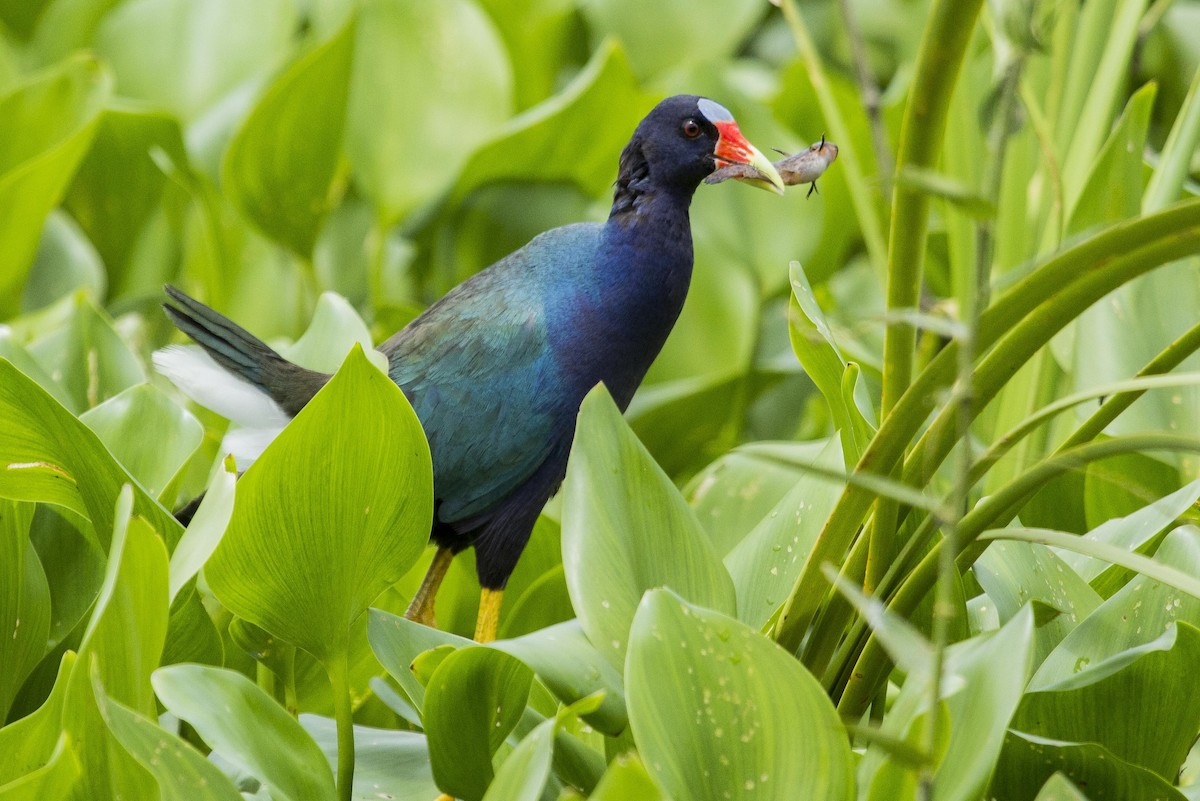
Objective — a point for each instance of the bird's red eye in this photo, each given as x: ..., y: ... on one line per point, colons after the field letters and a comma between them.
x: 691, y: 129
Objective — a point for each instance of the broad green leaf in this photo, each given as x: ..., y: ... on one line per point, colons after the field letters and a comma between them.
x: 1059, y: 788
x: 387, y: 763
x: 523, y: 775
x: 474, y: 699
x: 1014, y: 573
x: 74, y: 566
x: 151, y: 436
x: 572, y: 137
x: 29, y: 743
x: 733, y: 494
x: 1135, y: 615
x: 330, y: 515
x: 818, y: 352
x: 88, y: 356
x: 544, y: 603
x: 421, y: 99
x: 13, y: 351
x: 765, y: 565
x: 398, y: 641
x: 330, y: 335
x: 627, y: 780
x: 204, y: 533
x: 247, y: 728
x: 700, y: 31
x: 1028, y: 761
x: 182, y: 772
x: 539, y: 40
x: 53, y: 780
x: 50, y: 456
x: 24, y: 602
x: 123, y: 643
x: 65, y: 263
x: 118, y: 185
x: 1142, y: 704
x: 191, y: 634
x: 48, y: 125
x: 626, y: 529
x: 571, y: 667
x: 184, y: 56
x: 718, y: 711
x: 281, y: 163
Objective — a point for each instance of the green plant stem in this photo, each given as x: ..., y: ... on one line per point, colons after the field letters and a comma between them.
x: 338, y: 669
x: 1100, y: 264
x: 873, y: 663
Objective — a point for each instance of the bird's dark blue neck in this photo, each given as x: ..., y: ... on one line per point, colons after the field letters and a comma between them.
x: 633, y: 294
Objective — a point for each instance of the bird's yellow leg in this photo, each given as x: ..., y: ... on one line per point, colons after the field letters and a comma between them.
x: 421, y: 608
x: 489, y: 615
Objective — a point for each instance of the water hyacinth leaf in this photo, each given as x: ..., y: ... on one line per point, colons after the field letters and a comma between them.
x: 48, y: 455
x: 537, y: 33
x: 49, y: 123
x: 1028, y: 762
x: 281, y: 163
x: 331, y: 334
x: 1137, y: 614
x: 523, y: 775
x: 28, y: 743
x: 124, y: 640
x: 151, y: 436
x: 208, y: 525
x: 571, y: 137
x: 52, y: 780
x: 1059, y: 788
x: 191, y: 634
x: 1143, y: 704
x: 24, y: 602
x: 387, y: 763
x: 182, y: 772
x: 248, y: 729
x: 398, y: 641
x: 571, y: 667
x: 710, y: 28
x: 420, y: 102
x: 1013, y: 573
x: 626, y: 529
x: 370, y: 483
x: 720, y: 712
x: 474, y: 699
x: 627, y: 780
x: 65, y: 263
x: 186, y: 57
x: 88, y: 357
x: 764, y: 566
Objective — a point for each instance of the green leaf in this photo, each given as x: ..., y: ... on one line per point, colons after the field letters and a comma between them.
x: 571, y: 137
x: 766, y: 563
x: 52, y: 780
x: 718, y: 711
x: 330, y: 515
x: 281, y: 163
x: 1028, y: 761
x: 700, y: 31
x: 387, y: 763
x: 151, y: 436
x: 49, y: 124
x: 50, y: 456
x: 398, y: 641
x: 626, y: 780
x: 65, y: 263
x: 185, y: 57
x: 474, y: 699
x: 29, y: 743
x: 523, y: 775
x: 571, y: 668
x: 334, y: 328
x: 1059, y: 788
x: 204, y: 533
x: 1142, y: 704
x: 626, y: 529
x: 183, y: 774
x: 421, y: 101
x: 24, y: 602
x: 248, y: 729
x: 124, y: 641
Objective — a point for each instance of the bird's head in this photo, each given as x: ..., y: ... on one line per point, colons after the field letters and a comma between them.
x: 683, y: 139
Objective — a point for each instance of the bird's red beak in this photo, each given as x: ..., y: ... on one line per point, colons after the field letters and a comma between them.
x: 732, y: 148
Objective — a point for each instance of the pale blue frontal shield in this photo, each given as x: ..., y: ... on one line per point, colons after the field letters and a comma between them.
x: 714, y: 112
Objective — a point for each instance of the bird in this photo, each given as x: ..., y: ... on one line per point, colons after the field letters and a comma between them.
x: 497, y: 368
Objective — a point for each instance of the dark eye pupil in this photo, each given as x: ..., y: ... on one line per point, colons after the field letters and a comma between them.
x: 691, y: 128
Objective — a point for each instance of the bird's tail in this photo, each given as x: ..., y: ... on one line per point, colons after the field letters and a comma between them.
x: 236, y: 375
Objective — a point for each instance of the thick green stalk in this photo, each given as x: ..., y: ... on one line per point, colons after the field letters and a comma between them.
x: 1103, y: 262
x: 873, y: 663
x: 339, y: 677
